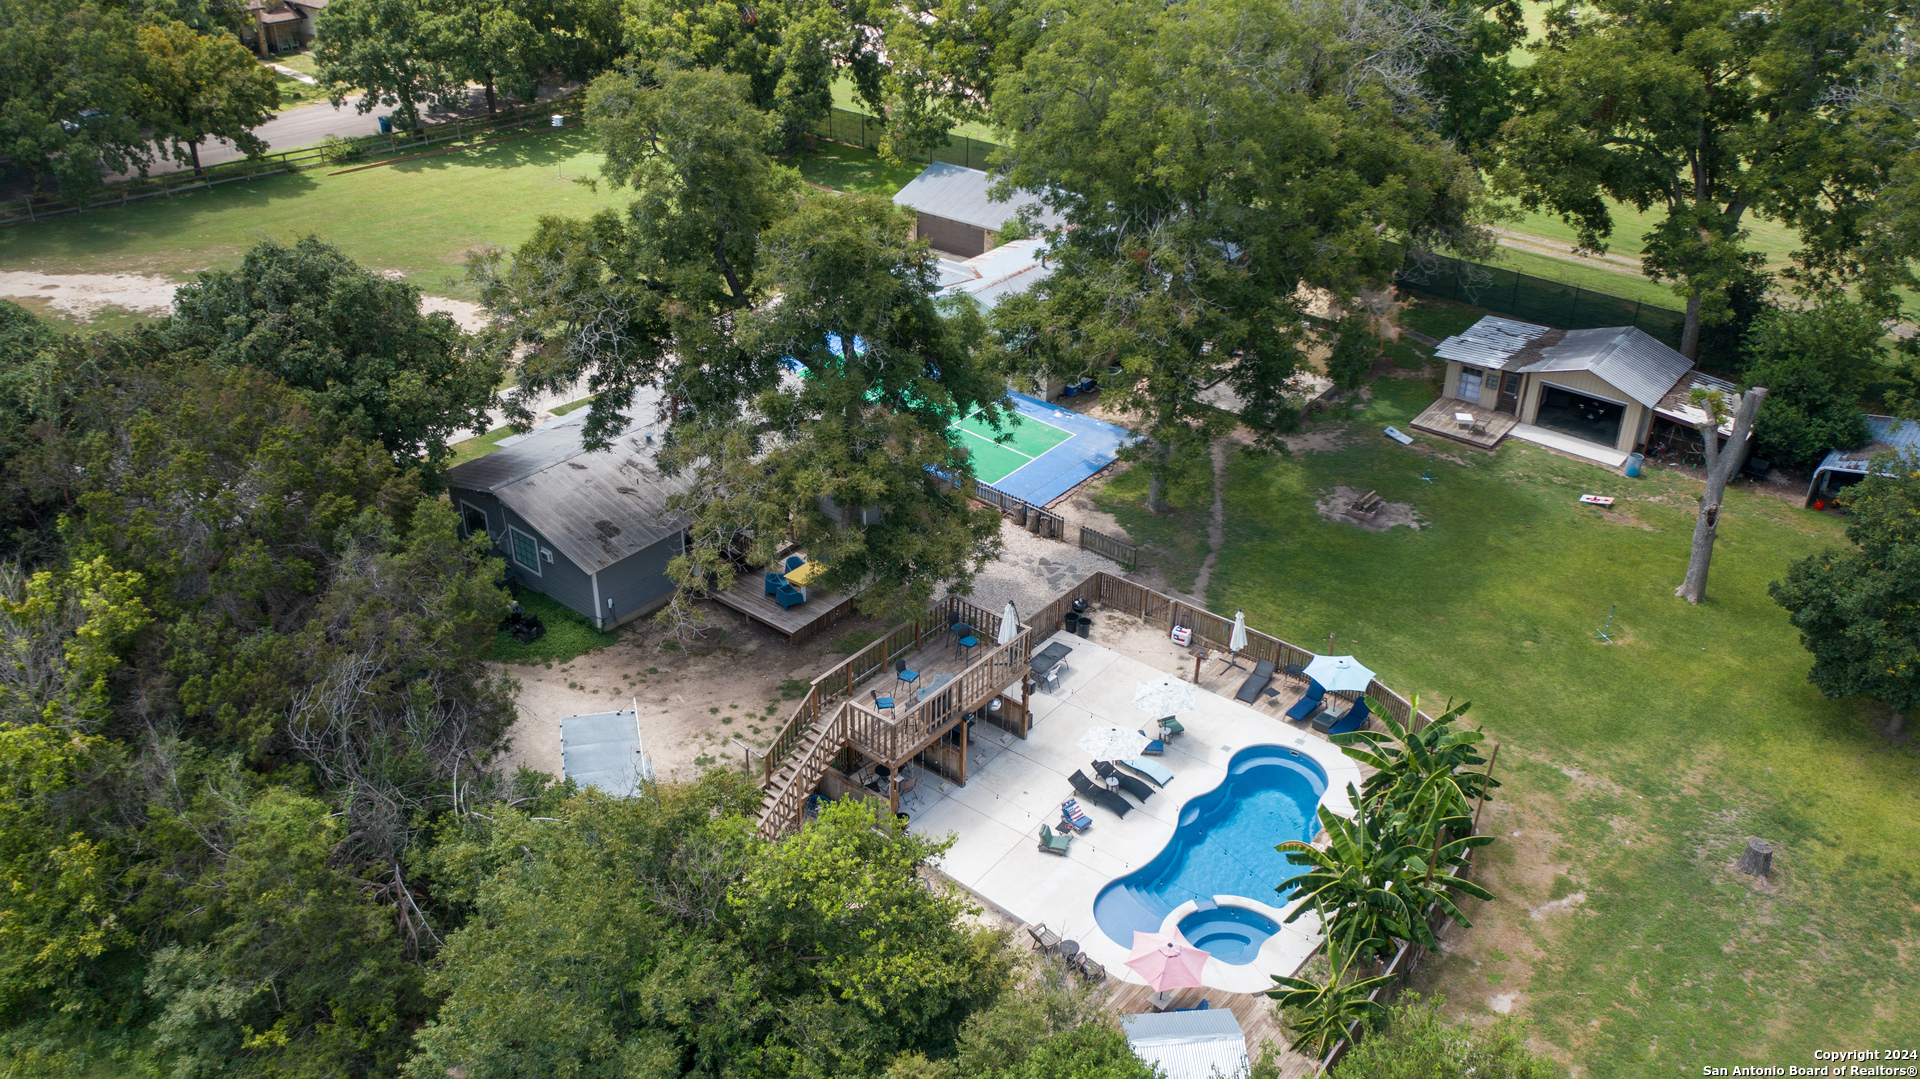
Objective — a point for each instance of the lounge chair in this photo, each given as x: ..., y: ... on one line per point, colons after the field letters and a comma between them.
x: 1051, y: 843
x: 1155, y: 747
x: 1073, y: 817
x: 1098, y: 795
x: 1257, y: 681
x: 1132, y: 786
x: 1308, y: 704
x: 1151, y: 769
x: 1170, y: 726
x: 1354, y: 719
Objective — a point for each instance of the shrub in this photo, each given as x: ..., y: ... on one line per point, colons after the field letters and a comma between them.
x: 1417, y: 1043
x: 335, y: 150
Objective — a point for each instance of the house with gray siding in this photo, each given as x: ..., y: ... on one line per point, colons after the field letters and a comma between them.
x: 591, y: 530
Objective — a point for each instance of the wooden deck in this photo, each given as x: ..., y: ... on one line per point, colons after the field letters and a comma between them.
x: 1489, y: 427
x: 749, y: 596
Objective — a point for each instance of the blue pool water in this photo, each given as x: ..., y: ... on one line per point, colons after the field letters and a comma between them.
x: 1223, y: 845
x: 1232, y: 934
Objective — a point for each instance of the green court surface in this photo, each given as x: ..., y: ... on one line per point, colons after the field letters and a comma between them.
x: 995, y: 460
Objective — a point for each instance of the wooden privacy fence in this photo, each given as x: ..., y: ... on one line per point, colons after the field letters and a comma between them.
x: 28, y: 209
x: 1102, y: 544
x: 1025, y: 514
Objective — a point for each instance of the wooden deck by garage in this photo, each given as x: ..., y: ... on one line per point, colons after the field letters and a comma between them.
x: 821, y: 610
x: 1486, y: 430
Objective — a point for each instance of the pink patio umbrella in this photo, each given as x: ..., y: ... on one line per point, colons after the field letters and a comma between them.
x: 1167, y: 962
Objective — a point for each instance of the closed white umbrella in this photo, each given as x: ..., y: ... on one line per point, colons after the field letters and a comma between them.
x: 1112, y: 743
x: 1238, y: 642
x: 1339, y: 674
x: 1009, y: 624
x: 1165, y: 695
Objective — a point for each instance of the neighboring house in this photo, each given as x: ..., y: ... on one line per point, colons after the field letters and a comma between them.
x: 989, y: 277
x: 280, y: 25
x: 956, y: 213
x: 590, y: 530
x: 1189, y: 1044
x: 1844, y: 468
x: 1593, y: 392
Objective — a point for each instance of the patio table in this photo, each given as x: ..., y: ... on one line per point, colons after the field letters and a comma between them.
x: 804, y: 574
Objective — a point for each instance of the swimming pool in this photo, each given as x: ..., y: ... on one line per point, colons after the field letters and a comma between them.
x: 1230, y: 934
x: 1223, y: 845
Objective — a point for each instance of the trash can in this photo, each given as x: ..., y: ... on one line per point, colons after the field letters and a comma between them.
x: 559, y: 120
x: 386, y: 125
x: 1085, y: 625
x: 1634, y: 461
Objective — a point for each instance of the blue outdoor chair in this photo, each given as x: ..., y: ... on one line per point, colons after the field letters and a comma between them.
x: 1308, y: 704
x: 788, y: 596
x: 901, y: 674
x: 1155, y: 747
x: 774, y: 580
x: 883, y: 702
x: 1355, y: 719
x: 794, y: 562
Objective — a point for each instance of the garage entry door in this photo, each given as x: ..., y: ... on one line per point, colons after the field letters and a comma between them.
x: 945, y: 234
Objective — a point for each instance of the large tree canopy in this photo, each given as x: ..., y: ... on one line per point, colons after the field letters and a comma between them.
x: 1211, y: 159
x: 1706, y: 110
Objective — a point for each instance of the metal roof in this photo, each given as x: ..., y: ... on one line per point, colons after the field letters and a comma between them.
x: 1491, y: 342
x: 1678, y: 402
x: 1886, y: 434
x: 596, y: 508
x: 603, y: 751
x: 1011, y: 268
x: 1624, y: 357
x: 960, y: 194
x: 1189, y: 1044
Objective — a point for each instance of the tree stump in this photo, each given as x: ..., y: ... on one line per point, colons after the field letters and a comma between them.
x: 1757, y: 859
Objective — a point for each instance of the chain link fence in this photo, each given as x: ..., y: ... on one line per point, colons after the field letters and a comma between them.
x: 859, y: 129
x: 1533, y: 299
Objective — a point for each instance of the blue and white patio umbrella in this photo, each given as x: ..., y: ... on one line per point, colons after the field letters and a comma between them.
x: 1112, y: 743
x: 1339, y: 674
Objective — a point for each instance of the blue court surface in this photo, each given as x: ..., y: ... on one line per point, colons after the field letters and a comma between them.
x: 1079, y: 447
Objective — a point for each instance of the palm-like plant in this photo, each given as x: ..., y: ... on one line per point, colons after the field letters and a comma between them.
x: 1327, y: 1012
x: 1413, y: 767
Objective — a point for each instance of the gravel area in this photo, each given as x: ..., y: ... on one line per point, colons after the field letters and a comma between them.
x: 1031, y: 571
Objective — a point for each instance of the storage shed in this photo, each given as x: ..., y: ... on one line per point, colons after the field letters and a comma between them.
x: 956, y: 213
x: 1206, y: 1044
x: 589, y: 530
x: 1600, y: 387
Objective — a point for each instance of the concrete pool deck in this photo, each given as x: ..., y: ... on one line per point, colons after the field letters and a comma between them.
x: 1015, y: 786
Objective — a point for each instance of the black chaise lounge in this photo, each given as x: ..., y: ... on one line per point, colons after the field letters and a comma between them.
x: 1257, y: 681
x: 1135, y: 787
x: 1097, y: 794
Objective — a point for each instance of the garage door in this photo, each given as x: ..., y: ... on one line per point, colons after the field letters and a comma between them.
x: 952, y: 237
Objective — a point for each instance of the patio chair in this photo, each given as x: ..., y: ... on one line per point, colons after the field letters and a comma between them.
x: 1106, y: 770
x: 1170, y: 726
x: 1354, y: 719
x: 774, y: 580
x: 1072, y: 816
x: 794, y: 562
x: 1309, y: 704
x: 1043, y: 938
x: 879, y: 701
x: 1093, y: 971
x: 1257, y: 681
x: 1294, y: 670
x: 901, y: 674
x: 1051, y: 843
x: 1159, y: 773
x: 788, y: 596
x: 1098, y: 795
x: 1155, y: 747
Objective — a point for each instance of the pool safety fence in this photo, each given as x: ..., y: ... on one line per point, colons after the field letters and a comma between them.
x: 860, y: 129
x: 1533, y: 299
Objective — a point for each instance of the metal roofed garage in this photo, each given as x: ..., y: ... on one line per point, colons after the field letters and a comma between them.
x: 956, y: 213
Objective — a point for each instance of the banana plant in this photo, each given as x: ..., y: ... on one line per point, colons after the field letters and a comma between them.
x: 1411, y: 766
x: 1326, y: 1012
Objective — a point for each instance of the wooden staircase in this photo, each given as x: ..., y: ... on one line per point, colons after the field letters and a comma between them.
x: 800, y: 772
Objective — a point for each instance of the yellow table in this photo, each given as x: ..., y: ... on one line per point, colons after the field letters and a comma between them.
x: 805, y: 574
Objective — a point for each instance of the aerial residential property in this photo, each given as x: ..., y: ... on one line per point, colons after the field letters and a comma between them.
x: 1222, y: 540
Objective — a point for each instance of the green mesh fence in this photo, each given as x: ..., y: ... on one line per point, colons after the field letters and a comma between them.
x: 1534, y: 299
x: 859, y: 129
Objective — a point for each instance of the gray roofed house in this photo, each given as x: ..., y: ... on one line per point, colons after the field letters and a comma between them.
x: 956, y: 212
x: 1189, y: 1044
x: 1591, y: 393
x: 590, y: 530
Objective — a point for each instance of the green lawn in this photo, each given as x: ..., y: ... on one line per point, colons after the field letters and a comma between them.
x: 852, y: 169
x: 417, y: 218
x: 1634, y: 771
x: 294, y: 93
x: 568, y: 635
x: 1632, y: 286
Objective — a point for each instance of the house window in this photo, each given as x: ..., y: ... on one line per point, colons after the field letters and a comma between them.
x: 474, y: 519
x: 526, y: 550
x: 1470, y: 380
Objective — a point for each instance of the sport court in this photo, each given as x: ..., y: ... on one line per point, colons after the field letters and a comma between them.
x: 1044, y: 455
